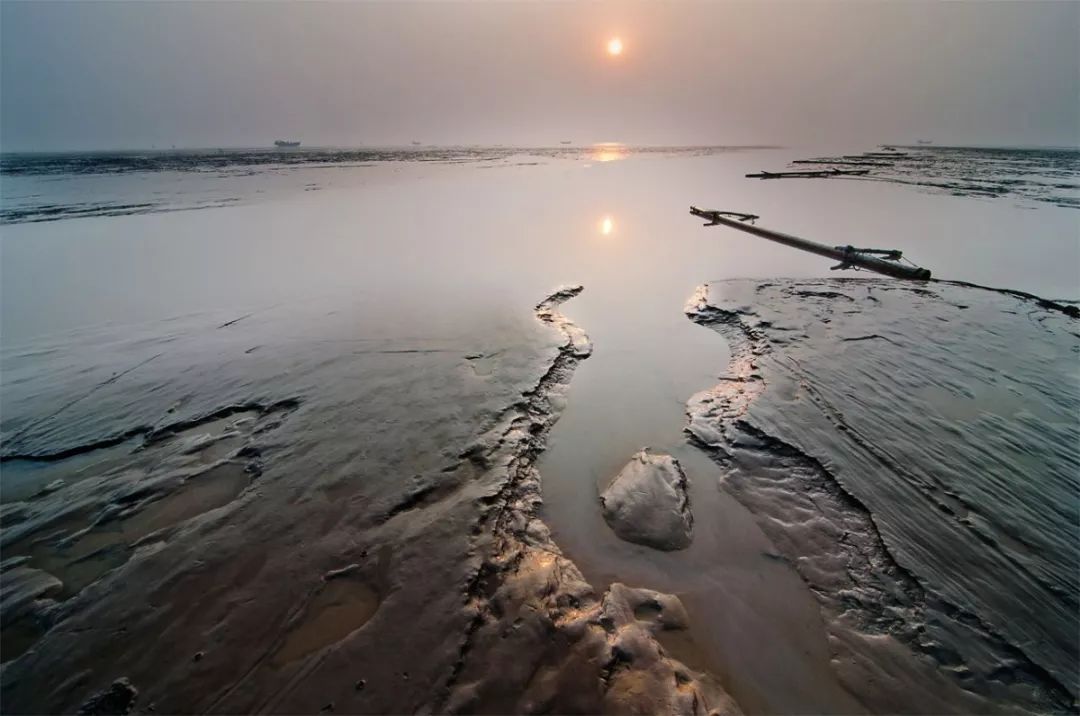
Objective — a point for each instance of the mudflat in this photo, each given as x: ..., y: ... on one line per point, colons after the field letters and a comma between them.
x: 315, y: 450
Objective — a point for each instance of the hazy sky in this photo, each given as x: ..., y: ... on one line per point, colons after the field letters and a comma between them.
x: 136, y: 74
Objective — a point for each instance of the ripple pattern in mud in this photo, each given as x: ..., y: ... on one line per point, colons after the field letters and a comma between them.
x: 865, y: 451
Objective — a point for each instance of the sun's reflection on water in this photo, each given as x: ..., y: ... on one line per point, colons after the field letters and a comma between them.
x: 608, y: 152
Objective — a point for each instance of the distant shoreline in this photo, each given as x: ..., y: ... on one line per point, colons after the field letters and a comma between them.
x: 522, y: 147
x: 390, y: 147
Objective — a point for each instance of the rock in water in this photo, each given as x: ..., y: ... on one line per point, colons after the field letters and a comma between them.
x: 647, y: 502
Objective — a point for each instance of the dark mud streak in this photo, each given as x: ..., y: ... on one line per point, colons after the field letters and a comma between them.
x: 1068, y: 309
x: 33, y: 216
x: 418, y: 497
x: 226, y: 324
x: 823, y: 294
x: 108, y: 381
x: 890, y: 614
x: 404, y: 351
x: 872, y: 336
x: 151, y: 434
x: 74, y: 450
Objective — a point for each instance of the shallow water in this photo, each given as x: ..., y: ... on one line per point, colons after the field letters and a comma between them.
x: 394, y: 303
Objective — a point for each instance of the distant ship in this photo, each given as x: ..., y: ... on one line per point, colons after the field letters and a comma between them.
x: 281, y: 143
x: 565, y: 141
x: 925, y: 141
x: 416, y: 144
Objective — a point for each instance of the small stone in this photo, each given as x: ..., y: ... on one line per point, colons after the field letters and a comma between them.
x: 119, y: 698
x: 359, y: 686
x: 198, y: 656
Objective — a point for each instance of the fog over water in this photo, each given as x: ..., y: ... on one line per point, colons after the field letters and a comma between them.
x: 136, y: 75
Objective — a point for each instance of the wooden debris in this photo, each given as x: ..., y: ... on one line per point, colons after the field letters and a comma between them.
x: 810, y: 174
x: 883, y: 261
x: 844, y: 162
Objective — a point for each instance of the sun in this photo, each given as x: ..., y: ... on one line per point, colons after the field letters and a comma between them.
x: 614, y: 47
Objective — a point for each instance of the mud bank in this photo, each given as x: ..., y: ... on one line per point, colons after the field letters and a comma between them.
x: 73, y: 515
x: 1032, y: 175
x: 917, y: 471
x: 438, y: 592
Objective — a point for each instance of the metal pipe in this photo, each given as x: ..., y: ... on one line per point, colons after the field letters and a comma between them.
x: 846, y: 255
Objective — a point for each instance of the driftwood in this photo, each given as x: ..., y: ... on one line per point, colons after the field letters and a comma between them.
x: 845, y: 162
x: 809, y: 175
x: 884, y: 261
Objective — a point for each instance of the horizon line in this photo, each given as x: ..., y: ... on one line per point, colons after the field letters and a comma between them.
x: 474, y: 145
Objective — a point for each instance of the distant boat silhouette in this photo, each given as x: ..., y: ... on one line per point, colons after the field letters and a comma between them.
x: 925, y: 141
x: 416, y: 144
x: 281, y: 143
x: 565, y: 141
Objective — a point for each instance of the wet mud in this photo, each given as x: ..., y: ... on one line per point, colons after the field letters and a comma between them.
x: 341, y: 606
x: 1032, y: 175
x: 74, y: 515
x: 195, y: 617
x: 310, y: 481
x: 829, y: 382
